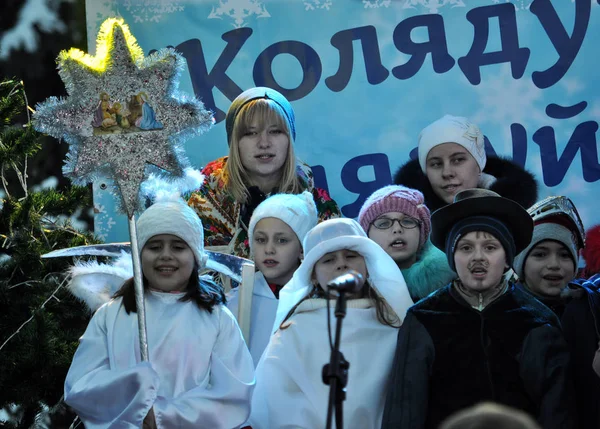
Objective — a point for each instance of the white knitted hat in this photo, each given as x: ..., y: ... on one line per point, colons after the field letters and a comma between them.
x: 298, y: 211
x: 452, y: 129
x: 176, y: 218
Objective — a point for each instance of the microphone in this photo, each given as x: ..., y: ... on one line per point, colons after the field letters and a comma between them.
x: 351, y: 282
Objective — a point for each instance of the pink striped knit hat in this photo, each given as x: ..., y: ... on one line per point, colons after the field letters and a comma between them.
x: 396, y: 198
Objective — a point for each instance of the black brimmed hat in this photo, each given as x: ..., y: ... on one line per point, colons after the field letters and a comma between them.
x: 482, y: 202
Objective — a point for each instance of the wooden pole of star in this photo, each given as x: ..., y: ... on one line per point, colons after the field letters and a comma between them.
x: 139, y: 289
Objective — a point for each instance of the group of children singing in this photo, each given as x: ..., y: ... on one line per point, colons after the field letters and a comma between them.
x: 452, y: 308
x: 481, y: 336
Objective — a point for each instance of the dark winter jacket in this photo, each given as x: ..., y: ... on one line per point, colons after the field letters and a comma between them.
x: 512, y: 181
x: 429, y: 273
x: 579, y: 314
x: 450, y: 356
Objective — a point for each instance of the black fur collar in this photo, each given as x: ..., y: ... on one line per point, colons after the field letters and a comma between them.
x: 512, y: 181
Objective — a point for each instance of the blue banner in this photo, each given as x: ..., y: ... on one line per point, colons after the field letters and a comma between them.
x: 365, y: 77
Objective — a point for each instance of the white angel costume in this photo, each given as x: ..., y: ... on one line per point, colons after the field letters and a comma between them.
x: 299, y: 213
x: 289, y: 390
x: 264, y: 309
x: 199, y: 374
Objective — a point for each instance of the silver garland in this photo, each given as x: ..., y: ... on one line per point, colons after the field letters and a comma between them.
x: 119, y: 149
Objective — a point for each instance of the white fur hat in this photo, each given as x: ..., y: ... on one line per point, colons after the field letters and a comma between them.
x: 452, y: 129
x: 296, y: 210
x: 176, y: 218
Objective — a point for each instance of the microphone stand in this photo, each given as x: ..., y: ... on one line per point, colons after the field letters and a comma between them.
x: 335, y: 373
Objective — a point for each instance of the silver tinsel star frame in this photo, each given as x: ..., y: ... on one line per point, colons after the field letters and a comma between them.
x: 123, y: 114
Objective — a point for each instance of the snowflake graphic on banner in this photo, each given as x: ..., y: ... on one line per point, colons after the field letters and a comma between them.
x: 373, y: 4
x: 102, y: 9
x: 526, y: 4
x: 518, y: 4
x: 239, y: 11
x: 152, y: 10
x: 317, y: 4
x: 506, y: 100
x: 433, y: 6
x: 140, y: 10
x: 103, y: 222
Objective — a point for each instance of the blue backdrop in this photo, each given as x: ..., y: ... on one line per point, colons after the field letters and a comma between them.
x: 365, y: 77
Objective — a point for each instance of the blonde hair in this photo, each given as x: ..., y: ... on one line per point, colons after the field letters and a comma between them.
x: 258, y: 112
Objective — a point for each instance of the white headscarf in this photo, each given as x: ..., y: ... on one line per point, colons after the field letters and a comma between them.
x: 335, y: 234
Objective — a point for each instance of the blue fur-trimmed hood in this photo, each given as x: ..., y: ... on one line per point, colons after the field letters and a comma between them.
x: 430, y: 273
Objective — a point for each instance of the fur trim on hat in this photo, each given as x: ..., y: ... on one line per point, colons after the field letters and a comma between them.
x: 158, y: 188
x: 512, y: 182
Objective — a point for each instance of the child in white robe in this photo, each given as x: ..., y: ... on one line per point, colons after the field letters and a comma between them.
x: 276, y: 230
x: 200, y: 373
x: 289, y: 389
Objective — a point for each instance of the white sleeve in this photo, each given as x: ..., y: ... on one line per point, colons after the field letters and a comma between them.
x: 225, y: 403
x: 284, y: 396
x: 232, y: 302
x: 101, y: 396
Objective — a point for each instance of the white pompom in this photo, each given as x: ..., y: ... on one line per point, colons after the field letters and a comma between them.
x: 157, y: 188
